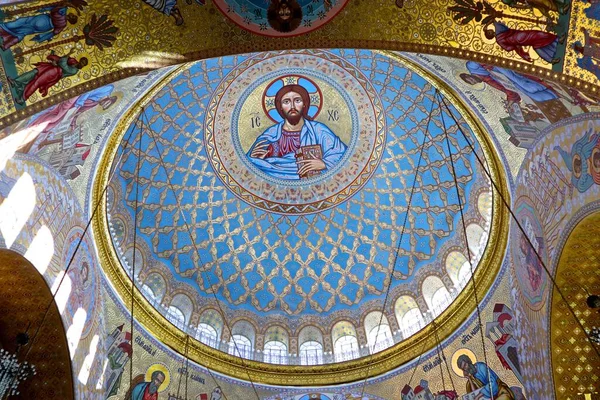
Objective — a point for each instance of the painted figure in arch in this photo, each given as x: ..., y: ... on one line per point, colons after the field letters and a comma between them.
x: 577, y: 160
x: 284, y: 15
x: 591, y: 46
x: 545, y: 97
x: 167, y: 7
x: 536, y: 89
x: 45, y: 75
x: 147, y: 390
x: 543, y: 43
x: 533, y: 265
x: 51, y: 22
x: 62, y: 119
x: 484, y: 380
x: 590, y: 51
x: 276, y: 150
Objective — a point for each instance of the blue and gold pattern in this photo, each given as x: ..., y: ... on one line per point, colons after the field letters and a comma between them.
x: 314, y: 263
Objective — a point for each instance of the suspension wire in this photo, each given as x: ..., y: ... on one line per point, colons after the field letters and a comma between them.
x: 470, y: 256
x: 518, y: 223
x: 169, y: 182
x: 184, y: 365
x: 417, y: 363
x: 135, y: 225
x: 444, y: 358
x: 437, y: 346
x: 89, y: 223
x: 396, y: 254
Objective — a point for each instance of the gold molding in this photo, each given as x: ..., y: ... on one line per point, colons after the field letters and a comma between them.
x: 447, y: 323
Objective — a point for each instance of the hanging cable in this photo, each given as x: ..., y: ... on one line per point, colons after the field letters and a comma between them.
x: 189, y: 230
x: 396, y: 254
x: 184, y: 367
x: 470, y: 256
x: 437, y: 338
x: 518, y: 223
x: 135, y: 226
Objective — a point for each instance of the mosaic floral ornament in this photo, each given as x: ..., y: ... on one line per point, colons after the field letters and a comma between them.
x: 280, y: 17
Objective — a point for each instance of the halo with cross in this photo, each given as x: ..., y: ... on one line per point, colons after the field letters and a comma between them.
x: 316, y: 96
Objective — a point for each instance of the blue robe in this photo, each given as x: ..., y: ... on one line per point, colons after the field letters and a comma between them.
x: 312, y: 132
x: 138, y: 392
x: 582, y: 147
x: 535, y: 90
x: 482, y: 376
x: 40, y: 24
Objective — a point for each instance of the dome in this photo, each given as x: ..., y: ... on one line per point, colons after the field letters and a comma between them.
x: 234, y: 248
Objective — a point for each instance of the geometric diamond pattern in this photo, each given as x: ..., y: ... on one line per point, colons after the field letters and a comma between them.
x: 315, y: 263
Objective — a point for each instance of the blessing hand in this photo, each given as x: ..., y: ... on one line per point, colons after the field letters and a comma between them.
x: 260, y: 150
x: 305, y: 166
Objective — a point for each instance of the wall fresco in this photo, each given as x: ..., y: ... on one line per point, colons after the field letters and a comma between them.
x: 553, y: 185
x: 78, y: 42
x: 517, y: 107
x: 70, y: 135
x: 41, y: 219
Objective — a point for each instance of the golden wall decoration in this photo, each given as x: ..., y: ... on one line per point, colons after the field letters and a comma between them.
x: 349, y: 371
x: 129, y: 37
x: 574, y: 360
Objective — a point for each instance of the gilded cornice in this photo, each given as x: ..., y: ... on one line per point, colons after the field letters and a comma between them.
x: 447, y: 323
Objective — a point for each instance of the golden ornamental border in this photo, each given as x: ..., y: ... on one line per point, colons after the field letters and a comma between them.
x: 334, y: 199
x: 447, y: 323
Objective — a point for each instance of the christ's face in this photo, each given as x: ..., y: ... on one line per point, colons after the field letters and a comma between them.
x: 284, y: 12
x: 292, y: 106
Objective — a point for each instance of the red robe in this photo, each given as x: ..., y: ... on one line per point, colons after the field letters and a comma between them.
x: 48, y: 75
x: 148, y: 396
x: 514, y: 39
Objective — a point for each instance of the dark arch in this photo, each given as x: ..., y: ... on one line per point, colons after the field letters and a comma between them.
x: 25, y: 296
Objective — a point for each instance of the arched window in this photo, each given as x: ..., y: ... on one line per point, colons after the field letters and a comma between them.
x: 275, y: 352
x: 346, y: 348
x: 311, y: 345
x: 175, y: 315
x: 154, y: 286
x: 435, y: 294
x: 240, y: 346
x: 242, y: 339
x: 477, y: 240
x: 183, y: 303
x: 379, y: 334
x: 408, y: 315
x: 411, y: 322
x: 311, y: 353
x: 380, y: 338
x: 345, y: 343
x: 207, y: 334
x: 209, y: 327
x: 455, y: 262
x: 440, y: 300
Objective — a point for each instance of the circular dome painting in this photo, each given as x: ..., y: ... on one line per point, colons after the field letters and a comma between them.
x: 299, y: 188
x: 280, y: 17
x: 295, y: 141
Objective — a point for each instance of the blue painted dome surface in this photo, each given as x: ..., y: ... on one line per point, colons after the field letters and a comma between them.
x: 314, y: 263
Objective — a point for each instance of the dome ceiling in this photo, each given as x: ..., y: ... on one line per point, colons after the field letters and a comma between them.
x: 220, y: 227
